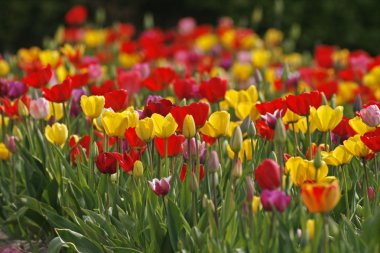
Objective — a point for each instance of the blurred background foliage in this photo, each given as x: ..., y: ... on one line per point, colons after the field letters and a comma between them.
x: 352, y: 24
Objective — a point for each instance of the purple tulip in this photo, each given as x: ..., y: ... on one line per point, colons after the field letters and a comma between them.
x: 75, y: 104
x: 371, y: 115
x: 11, y: 143
x: 16, y: 89
x: 213, y: 162
x: 193, y: 149
x: 274, y: 199
x: 271, y: 119
x: 160, y: 187
x: 152, y: 99
x: 4, y: 87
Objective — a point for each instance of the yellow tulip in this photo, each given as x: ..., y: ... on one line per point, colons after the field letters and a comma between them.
x: 260, y: 58
x: 337, y: 157
x: 256, y: 204
x: 4, y: 67
x: 310, y: 225
x: 303, y: 170
x: 49, y: 57
x: 164, y: 126
x: 325, y: 118
x: 188, y: 128
x: 299, y: 126
x: 356, y: 147
x: 245, y: 151
x: 243, y: 109
x: 92, y: 106
x: 5, y: 121
x: 206, y: 42
x: 94, y: 38
x: 145, y: 129
x: 56, y: 110
x: 217, y: 125
x: 242, y: 71
x: 4, y: 152
x: 114, y: 123
x: 56, y: 134
x: 132, y: 116
x: 359, y: 126
x: 290, y: 117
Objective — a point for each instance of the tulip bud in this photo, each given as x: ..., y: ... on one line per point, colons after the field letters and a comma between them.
x: 237, y: 170
x: 4, y: 152
x: 22, y: 109
x: 251, y: 132
x: 213, y: 162
x: 236, y: 142
x: 39, y: 108
x: 279, y: 132
x: 138, y: 169
x: 310, y: 225
x: 250, y: 189
x: 11, y: 143
x: 324, y: 99
x: 318, y: 159
x: 188, y: 128
x: 245, y: 124
x: 370, y: 193
x: 194, y: 185
x: 333, y: 101
x: 357, y: 103
x: 17, y: 133
x: 114, y: 178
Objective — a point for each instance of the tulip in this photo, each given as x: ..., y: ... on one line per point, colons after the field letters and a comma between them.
x: 274, y: 199
x: 338, y: 156
x: 256, y: 204
x: 214, y: 89
x: 133, y: 140
x: 56, y: 134
x: 4, y: 152
x: 107, y: 162
x: 356, y: 147
x: 303, y: 170
x: 246, y: 152
x: 16, y: 89
x: 138, y: 169
x: 117, y: 100
x: 4, y: 67
x: 193, y: 149
x: 236, y: 142
x: 39, y: 108
x: 372, y: 140
x: 11, y: 143
x: 92, y: 106
x: 188, y: 128
x: 280, y: 133
x: 370, y: 193
x: 174, y: 145
x: 271, y: 119
x: 145, y: 129
x: 325, y: 118
x: 114, y: 123
x: 371, y: 115
x: 320, y: 197
x: 301, y: 104
x: 60, y: 92
x: 160, y: 79
x: 213, y: 162
x: 160, y: 187
x: 359, y: 126
x: 310, y: 227
x: 164, y: 126
x: 267, y: 175
x: 38, y: 78
x: 217, y: 125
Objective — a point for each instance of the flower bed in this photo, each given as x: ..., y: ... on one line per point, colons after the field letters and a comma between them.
x: 194, y: 139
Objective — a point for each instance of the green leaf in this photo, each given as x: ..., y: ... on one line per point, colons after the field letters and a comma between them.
x: 56, y: 245
x: 123, y: 250
x: 78, y: 241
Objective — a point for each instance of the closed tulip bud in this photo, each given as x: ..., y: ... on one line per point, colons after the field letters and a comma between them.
x: 371, y: 115
x: 250, y: 189
x: 4, y: 152
x: 236, y: 142
x: 310, y: 225
x: 16, y: 132
x: 22, y: 109
x: 267, y: 175
x: 357, y: 103
x: 114, y: 178
x: 56, y: 134
x: 324, y: 99
x: 251, y: 130
x: 188, y: 128
x: 194, y: 185
x: 237, y: 170
x: 318, y: 159
x: 279, y: 132
x: 39, y: 108
x: 138, y: 169
x: 245, y: 124
x: 333, y: 101
x: 92, y: 106
x: 213, y: 162
x: 11, y: 143
x: 370, y: 193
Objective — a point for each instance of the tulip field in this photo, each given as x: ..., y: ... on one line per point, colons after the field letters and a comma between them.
x: 197, y: 138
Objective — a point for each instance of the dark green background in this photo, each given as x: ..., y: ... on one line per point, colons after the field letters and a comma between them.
x: 349, y: 23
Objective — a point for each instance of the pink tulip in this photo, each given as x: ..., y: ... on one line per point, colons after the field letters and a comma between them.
x: 275, y: 199
x: 371, y: 115
x: 39, y: 108
x: 160, y: 187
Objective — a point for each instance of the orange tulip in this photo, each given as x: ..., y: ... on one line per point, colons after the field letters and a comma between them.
x: 320, y: 197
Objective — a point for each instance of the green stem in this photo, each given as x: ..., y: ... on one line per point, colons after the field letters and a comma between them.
x: 326, y: 235
x: 309, y: 137
x: 194, y: 209
x: 215, y: 201
x: 346, y: 192
x: 91, y: 158
x: 366, y: 179
x: 166, y: 157
x: 295, y: 139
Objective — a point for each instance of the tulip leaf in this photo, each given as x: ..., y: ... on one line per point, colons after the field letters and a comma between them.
x: 79, y: 242
x: 55, y: 245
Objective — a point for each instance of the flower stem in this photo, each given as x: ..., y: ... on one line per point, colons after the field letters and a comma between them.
x: 166, y: 157
x: 366, y: 179
x: 215, y: 201
x: 346, y: 192
x: 309, y: 137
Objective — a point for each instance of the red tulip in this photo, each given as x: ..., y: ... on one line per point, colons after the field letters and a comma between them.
x: 264, y: 131
x: 163, y: 107
x: 301, y: 104
x: 106, y: 162
x: 208, y: 139
x: 11, y: 108
x: 79, y: 80
x: 214, y: 89
x: 133, y: 140
x: 117, y: 100
x: 76, y: 15
x: 59, y: 93
x: 186, y: 88
x: 344, y: 130
x: 271, y: 106
x: 160, y: 79
x: 128, y: 160
x: 174, y: 145
x: 129, y: 80
x: 328, y: 88
x: 267, y: 175
x: 372, y: 140
x: 198, y: 110
x: 102, y: 89
x: 39, y: 78
x: 184, y: 170
x: 324, y: 56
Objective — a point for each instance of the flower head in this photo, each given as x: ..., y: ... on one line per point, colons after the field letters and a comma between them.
x: 160, y: 187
